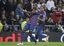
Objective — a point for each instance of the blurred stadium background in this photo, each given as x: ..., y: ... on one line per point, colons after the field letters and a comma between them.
x: 12, y: 20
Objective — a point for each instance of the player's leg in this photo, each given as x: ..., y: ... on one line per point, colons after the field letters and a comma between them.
x: 40, y: 34
x: 36, y: 36
x: 30, y: 33
x: 23, y: 34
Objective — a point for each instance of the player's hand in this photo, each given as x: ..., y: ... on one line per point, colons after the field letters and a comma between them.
x: 40, y: 15
x: 33, y: 11
x: 24, y: 10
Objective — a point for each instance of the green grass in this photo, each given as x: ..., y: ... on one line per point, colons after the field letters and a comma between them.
x: 32, y: 44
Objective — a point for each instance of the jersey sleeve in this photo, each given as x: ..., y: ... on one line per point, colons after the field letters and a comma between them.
x: 37, y: 12
x: 44, y: 15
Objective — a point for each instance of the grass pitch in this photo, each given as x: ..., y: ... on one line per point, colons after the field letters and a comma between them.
x: 32, y: 44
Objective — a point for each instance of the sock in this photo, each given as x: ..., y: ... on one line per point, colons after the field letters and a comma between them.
x: 22, y: 36
x: 36, y: 36
x: 33, y: 38
x: 43, y: 36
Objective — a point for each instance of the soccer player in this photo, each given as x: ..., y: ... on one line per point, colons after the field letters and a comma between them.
x: 30, y: 25
x: 41, y: 23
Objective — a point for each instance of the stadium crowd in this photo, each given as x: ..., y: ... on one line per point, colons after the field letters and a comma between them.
x: 12, y: 13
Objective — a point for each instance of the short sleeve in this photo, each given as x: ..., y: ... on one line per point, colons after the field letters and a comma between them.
x: 44, y: 15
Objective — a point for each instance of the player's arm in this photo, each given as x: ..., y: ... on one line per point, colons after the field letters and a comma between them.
x: 29, y: 13
x: 41, y: 19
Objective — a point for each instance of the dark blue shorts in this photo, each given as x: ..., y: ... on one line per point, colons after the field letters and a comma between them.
x: 29, y: 27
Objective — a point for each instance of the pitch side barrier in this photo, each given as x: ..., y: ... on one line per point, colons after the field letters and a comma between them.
x: 15, y: 37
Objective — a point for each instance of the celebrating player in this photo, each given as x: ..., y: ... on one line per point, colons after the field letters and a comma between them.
x: 30, y: 25
x: 41, y: 23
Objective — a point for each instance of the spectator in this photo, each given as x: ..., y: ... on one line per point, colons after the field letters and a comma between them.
x: 49, y: 21
x: 60, y: 28
x: 36, y: 1
x: 13, y: 17
x: 0, y: 5
x: 57, y: 28
x: 60, y: 3
x: 3, y: 15
x: 1, y: 26
x: 21, y: 1
x: 63, y: 1
x: 17, y: 22
x: 8, y: 6
x: 32, y: 1
x: 57, y: 6
x: 56, y: 16
x: 19, y: 12
x: 41, y: 3
x: 55, y: 1
x: 50, y: 4
x: 5, y: 27
x: 27, y: 3
x: 63, y: 15
x: 9, y: 19
x: 63, y: 8
x: 12, y: 20
x: 14, y: 5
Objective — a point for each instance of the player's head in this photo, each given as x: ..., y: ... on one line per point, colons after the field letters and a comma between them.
x: 41, y: 8
x: 35, y: 6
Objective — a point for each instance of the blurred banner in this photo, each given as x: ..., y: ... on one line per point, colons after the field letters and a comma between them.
x: 15, y: 37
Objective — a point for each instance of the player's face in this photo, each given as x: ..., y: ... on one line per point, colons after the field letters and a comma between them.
x: 41, y: 9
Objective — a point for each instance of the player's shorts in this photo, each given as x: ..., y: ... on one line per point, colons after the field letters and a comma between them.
x: 39, y: 30
x: 29, y: 27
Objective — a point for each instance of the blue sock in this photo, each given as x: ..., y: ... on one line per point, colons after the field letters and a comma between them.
x: 33, y: 38
x: 41, y: 35
x: 22, y: 36
x: 36, y: 36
